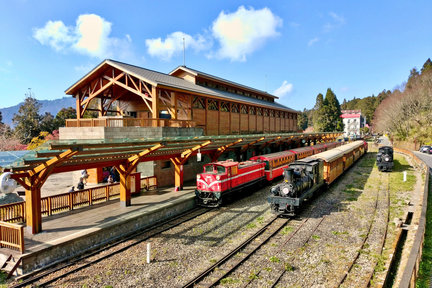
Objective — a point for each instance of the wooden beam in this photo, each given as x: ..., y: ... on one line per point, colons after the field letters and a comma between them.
x: 155, y: 105
x: 245, y: 147
x: 54, y: 161
x: 188, y: 152
x: 103, y: 88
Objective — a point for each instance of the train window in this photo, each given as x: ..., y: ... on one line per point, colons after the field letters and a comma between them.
x: 208, y: 168
x: 233, y: 170
x: 220, y: 169
x: 267, y: 166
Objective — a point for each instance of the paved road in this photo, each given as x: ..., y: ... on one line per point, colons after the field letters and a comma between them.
x: 427, y: 158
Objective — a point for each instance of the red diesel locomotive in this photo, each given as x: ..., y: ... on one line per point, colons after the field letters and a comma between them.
x: 225, y: 177
x: 222, y: 178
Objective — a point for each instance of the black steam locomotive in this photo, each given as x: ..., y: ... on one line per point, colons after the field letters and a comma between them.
x: 301, y: 180
x: 384, y: 158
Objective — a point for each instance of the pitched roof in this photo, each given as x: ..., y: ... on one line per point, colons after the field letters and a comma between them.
x: 162, y: 79
x: 206, y: 75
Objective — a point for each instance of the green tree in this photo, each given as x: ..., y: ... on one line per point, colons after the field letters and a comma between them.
x: 318, y: 113
x: 63, y: 114
x: 302, y: 121
x: 27, y: 120
x: 48, y: 123
x: 332, y: 112
x: 1, y: 118
x: 427, y: 66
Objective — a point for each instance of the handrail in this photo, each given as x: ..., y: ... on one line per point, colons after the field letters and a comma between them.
x: 412, y: 267
x: 129, y: 122
x: 12, y: 236
x: 15, y: 212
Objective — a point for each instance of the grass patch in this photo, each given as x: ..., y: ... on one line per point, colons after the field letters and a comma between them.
x: 289, y: 267
x: 253, y: 276
x: 286, y: 230
x: 250, y: 226
x: 396, y: 177
x: 274, y: 259
x: 337, y: 233
x: 316, y: 237
x: 229, y: 280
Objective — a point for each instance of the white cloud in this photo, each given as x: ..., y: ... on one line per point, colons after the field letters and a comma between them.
x: 284, y: 89
x: 55, y: 34
x: 337, y: 18
x: 244, y: 31
x: 337, y: 21
x: 313, y: 41
x: 90, y: 36
x: 173, y: 44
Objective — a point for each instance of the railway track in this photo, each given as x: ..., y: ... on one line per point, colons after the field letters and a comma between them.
x: 215, y: 273
x: 350, y: 277
x: 71, y: 266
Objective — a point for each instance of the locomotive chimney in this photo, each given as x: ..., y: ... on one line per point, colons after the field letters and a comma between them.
x: 288, y: 175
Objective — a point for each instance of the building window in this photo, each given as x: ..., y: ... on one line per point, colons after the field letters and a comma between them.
x: 259, y: 111
x: 235, y: 108
x: 198, y: 103
x: 252, y: 110
x: 244, y: 109
x: 265, y: 112
x: 224, y: 107
x: 213, y: 105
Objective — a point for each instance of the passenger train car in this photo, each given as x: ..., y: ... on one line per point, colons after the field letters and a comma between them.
x: 222, y: 178
x: 306, y: 176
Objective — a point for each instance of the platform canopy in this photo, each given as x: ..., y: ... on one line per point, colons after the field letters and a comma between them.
x: 112, y: 152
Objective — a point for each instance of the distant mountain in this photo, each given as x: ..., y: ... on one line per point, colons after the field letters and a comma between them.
x: 51, y: 106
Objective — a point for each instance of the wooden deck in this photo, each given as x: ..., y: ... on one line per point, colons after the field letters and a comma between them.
x: 62, y: 227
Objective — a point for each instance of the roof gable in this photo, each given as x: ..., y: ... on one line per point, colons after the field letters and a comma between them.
x: 165, y: 80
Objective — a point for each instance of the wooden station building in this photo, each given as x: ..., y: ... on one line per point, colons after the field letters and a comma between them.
x: 183, y: 98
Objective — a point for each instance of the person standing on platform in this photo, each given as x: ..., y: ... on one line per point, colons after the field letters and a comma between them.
x: 110, y: 179
x: 80, y: 185
x: 84, y: 176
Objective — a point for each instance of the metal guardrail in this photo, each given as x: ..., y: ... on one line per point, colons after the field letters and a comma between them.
x: 410, y: 273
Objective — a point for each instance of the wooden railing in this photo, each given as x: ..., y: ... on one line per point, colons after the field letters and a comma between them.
x: 12, y: 236
x: 128, y: 122
x: 59, y: 203
x: 148, y: 183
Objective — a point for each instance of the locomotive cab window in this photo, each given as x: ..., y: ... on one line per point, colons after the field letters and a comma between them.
x: 208, y: 169
x: 220, y: 169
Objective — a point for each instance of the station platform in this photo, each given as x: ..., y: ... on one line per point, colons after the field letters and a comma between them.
x: 73, y: 233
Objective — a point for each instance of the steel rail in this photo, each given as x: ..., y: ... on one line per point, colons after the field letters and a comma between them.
x: 384, y: 235
x: 369, y: 275
x: 302, y: 245
x: 233, y: 252
x: 44, y: 273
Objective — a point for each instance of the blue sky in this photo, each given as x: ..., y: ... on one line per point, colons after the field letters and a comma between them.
x: 294, y: 49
